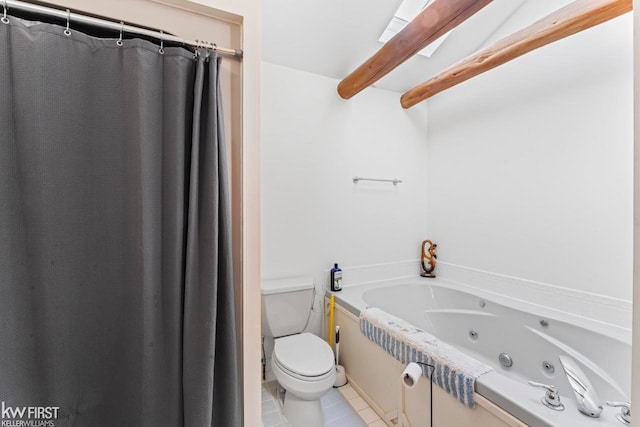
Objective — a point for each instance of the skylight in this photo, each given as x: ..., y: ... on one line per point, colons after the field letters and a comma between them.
x: 408, y: 10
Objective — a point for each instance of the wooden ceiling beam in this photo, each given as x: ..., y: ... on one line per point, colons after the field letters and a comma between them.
x: 440, y: 17
x: 573, y: 18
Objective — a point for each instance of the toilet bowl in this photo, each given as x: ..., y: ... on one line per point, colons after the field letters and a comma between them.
x: 301, y: 362
x: 303, y: 365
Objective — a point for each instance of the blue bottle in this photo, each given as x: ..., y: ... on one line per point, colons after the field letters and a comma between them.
x: 336, y: 278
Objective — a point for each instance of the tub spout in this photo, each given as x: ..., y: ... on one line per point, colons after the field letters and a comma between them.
x: 586, y: 397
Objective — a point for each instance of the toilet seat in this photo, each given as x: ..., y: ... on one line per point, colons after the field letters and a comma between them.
x: 303, y: 377
x: 304, y: 356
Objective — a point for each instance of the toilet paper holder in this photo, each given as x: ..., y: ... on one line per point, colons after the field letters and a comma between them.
x: 409, y: 379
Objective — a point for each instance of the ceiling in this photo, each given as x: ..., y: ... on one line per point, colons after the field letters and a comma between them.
x: 333, y: 37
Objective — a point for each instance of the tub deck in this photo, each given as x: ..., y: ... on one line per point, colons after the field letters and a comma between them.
x: 450, y: 311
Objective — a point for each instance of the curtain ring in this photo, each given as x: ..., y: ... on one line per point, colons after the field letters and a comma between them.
x: 207, y: 49
x: 4, y: 18
x: 67, y: 31
x: 119, y: 41
x: 196, y: 52
x: 161, y: 50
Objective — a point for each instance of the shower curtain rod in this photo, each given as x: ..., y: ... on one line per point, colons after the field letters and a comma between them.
x: 116, y: 26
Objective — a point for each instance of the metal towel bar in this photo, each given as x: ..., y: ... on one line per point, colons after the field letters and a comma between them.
x: 394, y: 181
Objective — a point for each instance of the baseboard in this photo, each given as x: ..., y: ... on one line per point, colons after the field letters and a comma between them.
x: 377, y: 409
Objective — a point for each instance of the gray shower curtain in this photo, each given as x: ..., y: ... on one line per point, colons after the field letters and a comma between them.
x: 116, y: 287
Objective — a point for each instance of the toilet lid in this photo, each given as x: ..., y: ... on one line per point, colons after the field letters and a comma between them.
x: 304, y: 354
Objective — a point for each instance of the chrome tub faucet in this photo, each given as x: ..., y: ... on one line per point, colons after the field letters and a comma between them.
x: 625, y: 411
x: 551, y: 398
x: 586, y: 397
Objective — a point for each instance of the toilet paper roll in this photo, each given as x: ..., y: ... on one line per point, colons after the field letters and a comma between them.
x: 411, y: 375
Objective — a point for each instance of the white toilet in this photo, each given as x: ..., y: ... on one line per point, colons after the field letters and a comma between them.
x: 302, y: 363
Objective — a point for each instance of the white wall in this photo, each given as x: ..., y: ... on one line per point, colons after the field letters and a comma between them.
x: 313, y: 144
x: 530, y: 165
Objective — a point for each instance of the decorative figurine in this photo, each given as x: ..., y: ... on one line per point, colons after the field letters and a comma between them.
x: 428, y: 254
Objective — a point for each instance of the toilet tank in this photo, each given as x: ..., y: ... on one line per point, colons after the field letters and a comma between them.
x: 286, y: 304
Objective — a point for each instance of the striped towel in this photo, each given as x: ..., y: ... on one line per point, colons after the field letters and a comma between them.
x: 455, y: 372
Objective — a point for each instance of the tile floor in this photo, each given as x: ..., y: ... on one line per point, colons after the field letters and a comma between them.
x: 342, y: 407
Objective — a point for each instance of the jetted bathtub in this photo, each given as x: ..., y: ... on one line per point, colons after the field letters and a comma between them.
x: 496, y: 330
